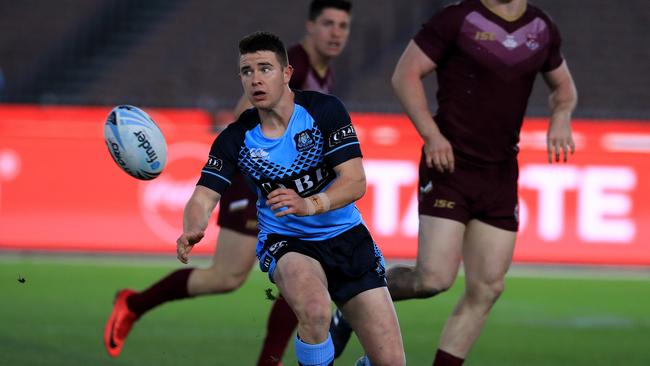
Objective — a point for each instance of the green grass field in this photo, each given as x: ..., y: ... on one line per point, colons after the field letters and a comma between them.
x: 57, y: 317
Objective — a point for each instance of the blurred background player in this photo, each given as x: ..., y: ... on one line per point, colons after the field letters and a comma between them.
x: 486, y: 55
x: 327, y: 31
x: 301, y: 152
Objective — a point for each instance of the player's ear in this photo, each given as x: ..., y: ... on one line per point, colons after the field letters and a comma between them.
x: 287, y: 72
x: 309, y: 26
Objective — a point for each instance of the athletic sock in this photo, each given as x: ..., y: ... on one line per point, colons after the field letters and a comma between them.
x: 172, y: 287
x: 279, y: 329
x: 446, y: 359
x: 321, y: 354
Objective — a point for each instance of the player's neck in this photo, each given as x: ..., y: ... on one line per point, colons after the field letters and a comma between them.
x: 274, y: 121
x: 509, y: 10
x: 317, y: 61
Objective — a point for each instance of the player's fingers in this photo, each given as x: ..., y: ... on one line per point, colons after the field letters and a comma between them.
x: 278, y: 205
x: 277, y: 192
x: 565, y: 151
x: 182, y: 257
x: 428, y: 159
x: 444, y: 162
x: 572, y: 145
x: 437, y: 163
x: 450, y: 161
x: 286, y: 212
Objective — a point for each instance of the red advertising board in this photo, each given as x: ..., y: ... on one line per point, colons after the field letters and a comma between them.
x: 60, y: 190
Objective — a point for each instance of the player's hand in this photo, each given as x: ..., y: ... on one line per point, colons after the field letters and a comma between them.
x: 185, y: 243
x: 438, y: 153
x: 559, y: 139
x: 284, y: 197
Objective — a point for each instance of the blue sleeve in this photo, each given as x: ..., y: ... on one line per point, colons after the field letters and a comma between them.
x: 222, y: 162
x: 341, y: 143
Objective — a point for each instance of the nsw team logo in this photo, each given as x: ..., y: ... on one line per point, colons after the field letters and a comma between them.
x: 304, y: 140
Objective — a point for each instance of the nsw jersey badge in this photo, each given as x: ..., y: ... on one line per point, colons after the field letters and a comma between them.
x: 304, y: 140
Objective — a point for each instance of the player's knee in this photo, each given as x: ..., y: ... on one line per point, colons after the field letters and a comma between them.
x: 220, y: 281
x: 314, y: 313
x: 433, y: 283
x: 486, y: 292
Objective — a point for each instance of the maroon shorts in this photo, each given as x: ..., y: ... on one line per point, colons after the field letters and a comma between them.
x: 486, y: 192
x: 237, y: 210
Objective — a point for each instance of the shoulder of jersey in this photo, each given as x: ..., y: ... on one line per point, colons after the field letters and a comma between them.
x: 246, y: 120
x: 310, y: 96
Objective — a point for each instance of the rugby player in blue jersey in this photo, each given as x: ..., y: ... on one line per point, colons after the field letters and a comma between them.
x: 299, y: 151
x: 326, y: 34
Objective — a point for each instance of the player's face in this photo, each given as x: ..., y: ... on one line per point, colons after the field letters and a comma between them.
x: 330, y: 31
x: 263, y: 78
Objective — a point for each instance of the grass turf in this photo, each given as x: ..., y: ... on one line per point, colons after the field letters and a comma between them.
x: 56, y: 317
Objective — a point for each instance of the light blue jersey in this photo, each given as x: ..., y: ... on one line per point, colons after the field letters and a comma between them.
x: 319, y: 137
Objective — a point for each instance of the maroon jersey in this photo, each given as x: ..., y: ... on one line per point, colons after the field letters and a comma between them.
x: 304, y: 76
x: 486, y: 67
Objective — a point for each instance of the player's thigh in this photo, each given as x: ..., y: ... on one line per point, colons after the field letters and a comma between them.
x: 487, y: 253
x: 235, y: 253
x: 440, y: 243
x: 301, y: 280
x: 372, y: 316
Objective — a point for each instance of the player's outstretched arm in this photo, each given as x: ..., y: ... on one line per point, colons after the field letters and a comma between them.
x: 349, y: 186
x: 562, y: 100
x: 195, y: 220
x: 411, y: 68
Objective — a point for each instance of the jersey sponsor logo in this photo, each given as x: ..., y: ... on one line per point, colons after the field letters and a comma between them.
x: 258, y: 154
x: 343, y: 133
x: 305, y: 184
x: 485, y: 36
x: 214, y: 163
x: 304, y: 140
x: 440, y: 203
x: 509, y: 42
x: 146, y: 146
x: 276, y: 246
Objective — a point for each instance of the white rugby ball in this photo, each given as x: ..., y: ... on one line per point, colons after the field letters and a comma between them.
x: 135, y: 142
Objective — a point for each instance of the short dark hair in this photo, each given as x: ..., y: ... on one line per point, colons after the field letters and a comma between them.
x: 317, y: 7
x: 264, y: 41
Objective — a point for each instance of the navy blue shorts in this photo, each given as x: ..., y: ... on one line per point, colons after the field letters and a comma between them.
x: 352, y: 261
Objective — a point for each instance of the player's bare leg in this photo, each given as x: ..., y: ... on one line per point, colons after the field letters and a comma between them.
x: 372, y: 316
x: 487, y: 254
x: 231, y: 264
x: 439, y: 254
x: 303, y: 283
